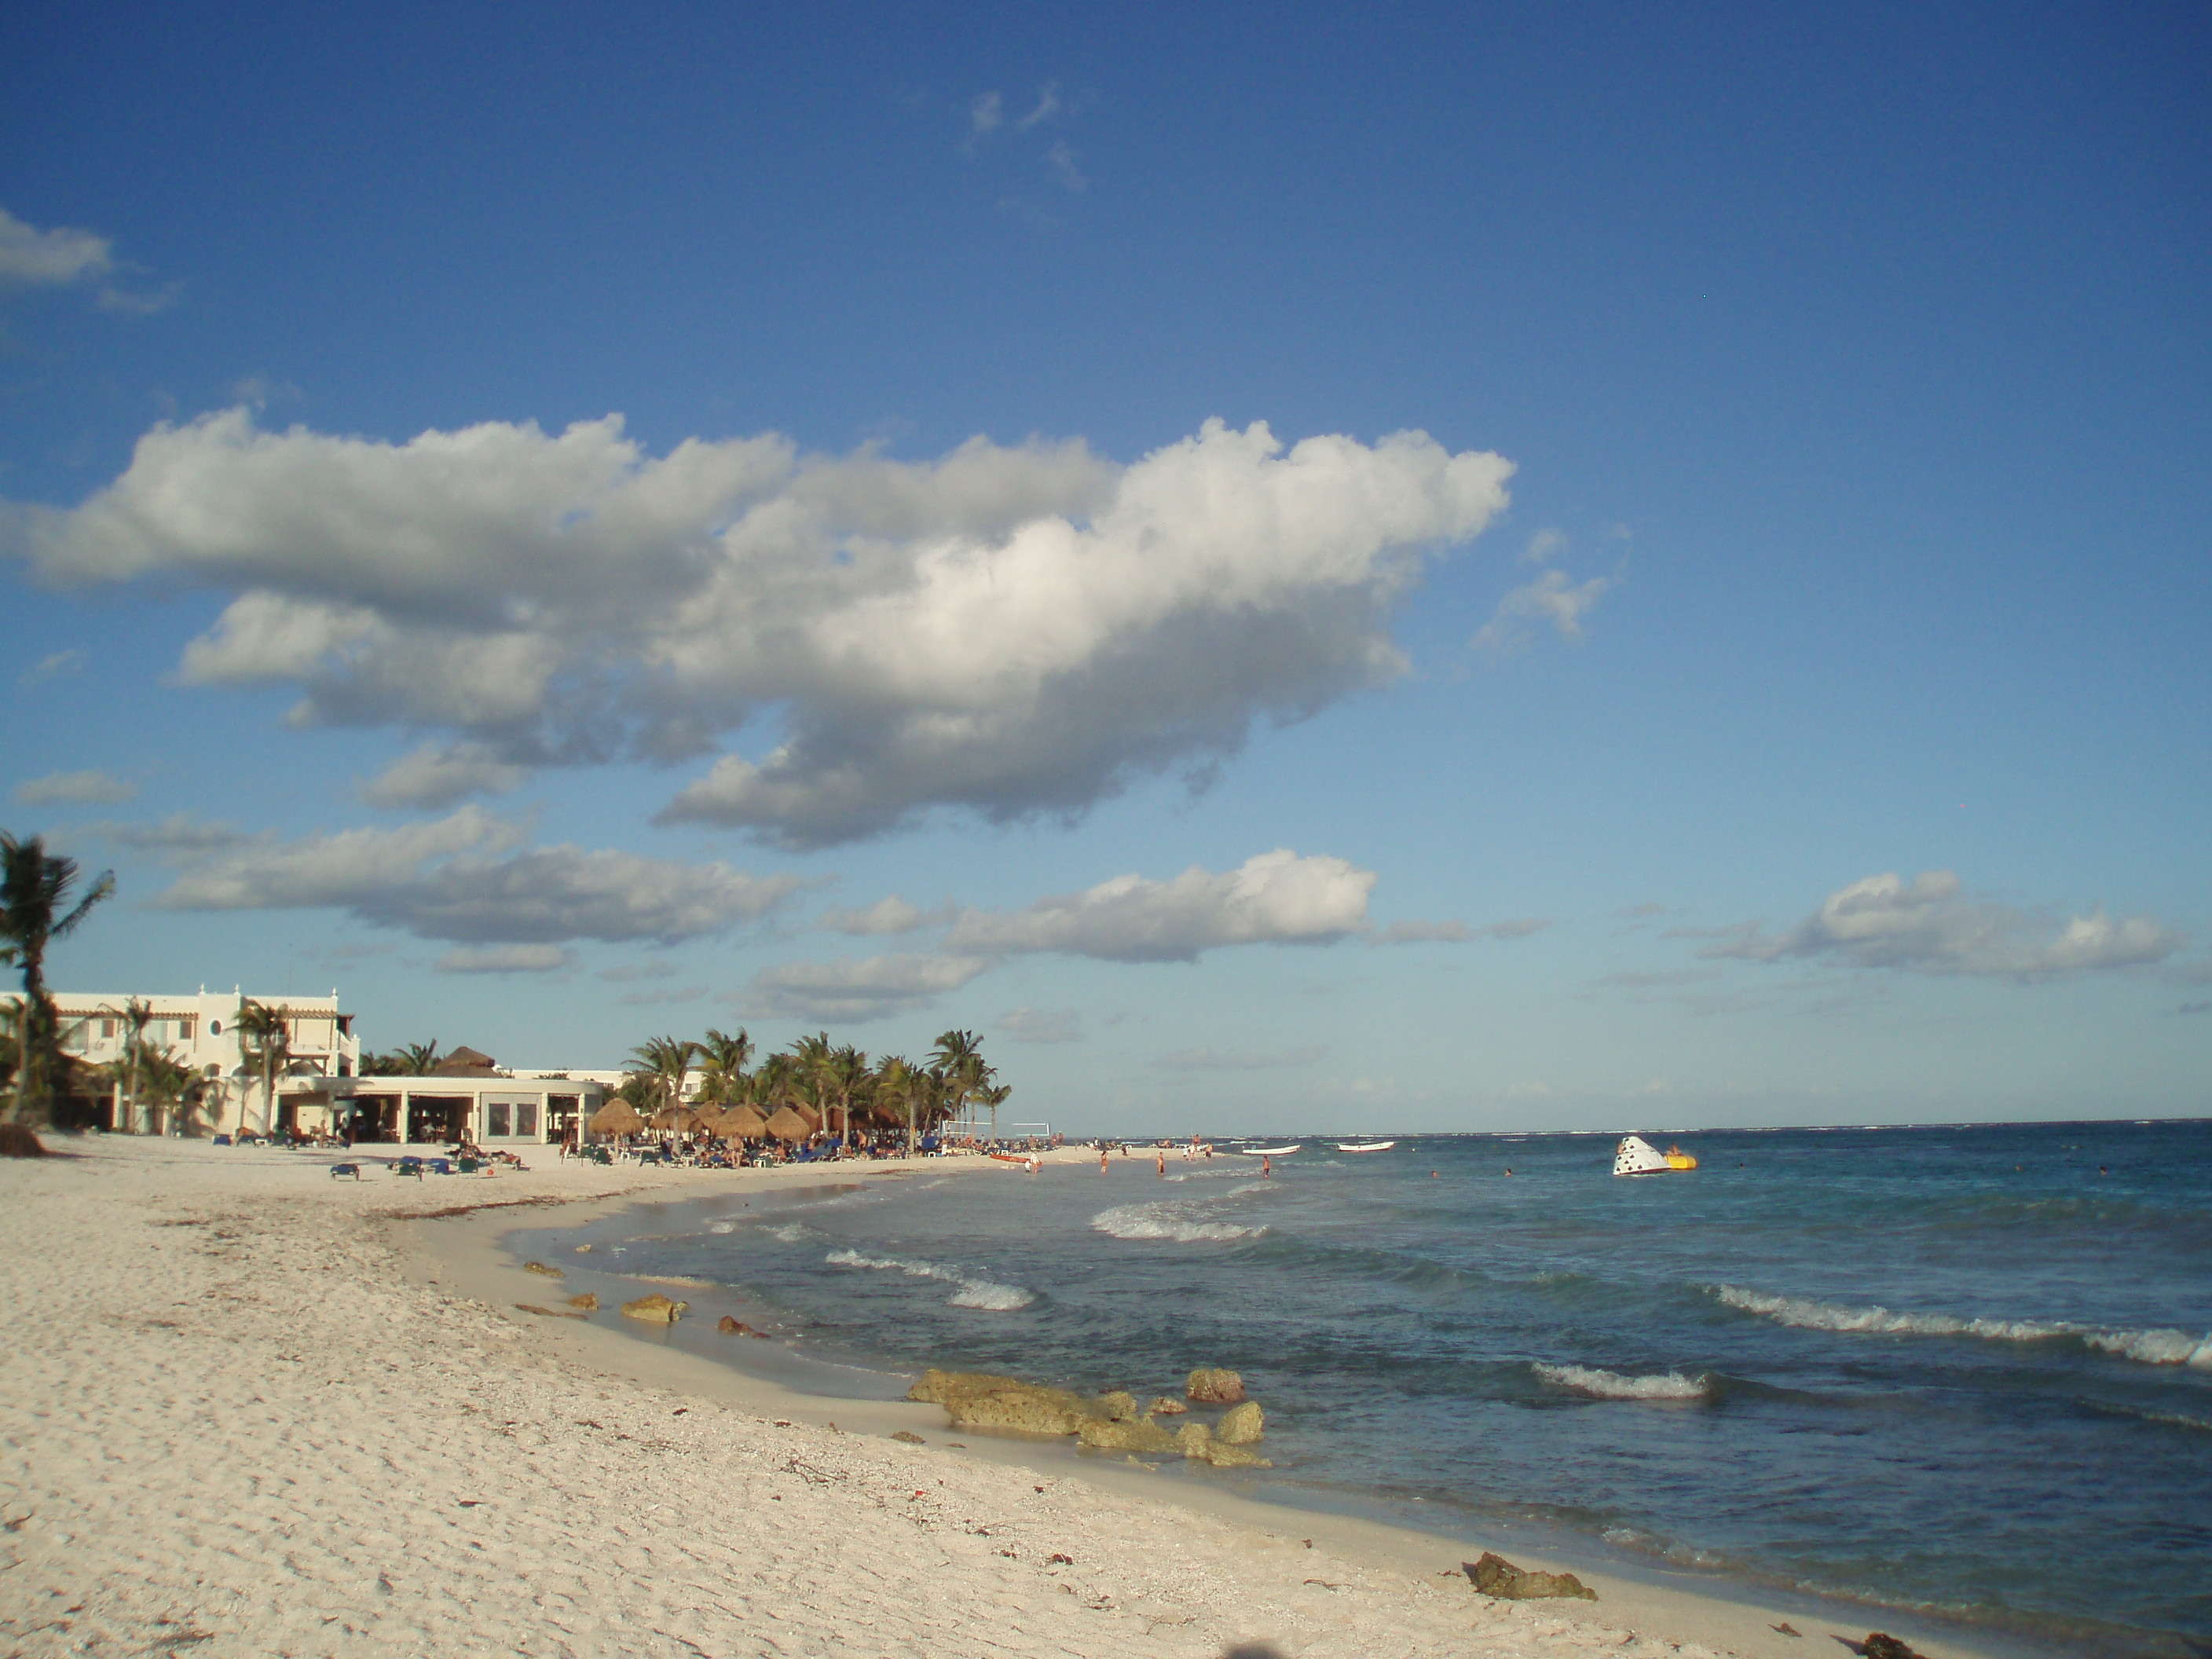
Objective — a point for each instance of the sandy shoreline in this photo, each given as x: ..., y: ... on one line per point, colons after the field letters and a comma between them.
x: 247, y: 1409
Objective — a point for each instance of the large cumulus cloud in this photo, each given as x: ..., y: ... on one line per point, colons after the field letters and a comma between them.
x: 1006, y: 630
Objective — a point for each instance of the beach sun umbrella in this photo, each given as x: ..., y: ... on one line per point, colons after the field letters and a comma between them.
x: 679, y: 1118
x: 616, y: 1117
x: 787, y: 1125
x: 743, y: 1122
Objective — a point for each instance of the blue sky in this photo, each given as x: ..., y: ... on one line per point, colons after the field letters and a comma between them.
x: 1768, y: 686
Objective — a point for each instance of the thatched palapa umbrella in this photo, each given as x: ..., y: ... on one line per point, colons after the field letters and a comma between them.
x: 616, y: 1117
x: 681, y: 1119
x: 787, y: 1125
x: 744, y: 1123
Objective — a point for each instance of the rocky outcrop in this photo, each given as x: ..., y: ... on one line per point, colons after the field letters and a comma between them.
x: 1494, y: 1575
x: 655, y: 1310
x: 1166, y: 1407
x: 982, y: 1400
x: 1196, y: 1441
x: 550, y: 1313
x: 1879, y: 1645
x: 731, y: 1325
x: 587, y: 1302
x: 1120, y: 1406
x: 909, y: 1437
x: 1241, y: 1425
x: 1215, y: 1388
x: 540, y: 1267
x: 1143, y: 1435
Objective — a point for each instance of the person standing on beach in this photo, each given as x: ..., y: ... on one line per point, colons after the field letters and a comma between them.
x: 1266, y: 1167
x: 1101, y: 1160
x: 1160, y: 1159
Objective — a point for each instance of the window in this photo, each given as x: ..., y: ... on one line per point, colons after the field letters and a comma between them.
x: 496, y: 1118
x: 107, y: 1028
x: 183, y: 1031
x: 525, y: 1117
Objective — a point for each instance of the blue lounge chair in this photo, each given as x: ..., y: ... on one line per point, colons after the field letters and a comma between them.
x: 341, y: 1171
x: 439, y: 1165
x: 222, y: 1140
x: 409, y: 1166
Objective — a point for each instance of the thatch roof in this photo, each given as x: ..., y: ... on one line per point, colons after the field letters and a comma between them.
x: 466, y: 1062
x: 744, y: 1122
x: 789, y: 1124
x: 616, y: 1117
x: 681, y: 1119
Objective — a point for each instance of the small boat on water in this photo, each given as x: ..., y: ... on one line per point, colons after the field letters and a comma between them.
x: 1364, y: 1146
x: 1267, y: 1152
x: 1636, y: 1156
x: 1023, y: 1159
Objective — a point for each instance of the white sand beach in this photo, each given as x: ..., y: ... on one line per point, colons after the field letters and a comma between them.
x: 246, y: 1409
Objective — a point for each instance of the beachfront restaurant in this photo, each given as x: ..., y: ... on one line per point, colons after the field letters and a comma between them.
x: 499, y: 1112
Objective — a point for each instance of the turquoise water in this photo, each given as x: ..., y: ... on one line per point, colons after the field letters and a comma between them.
x: 1958, y: 1370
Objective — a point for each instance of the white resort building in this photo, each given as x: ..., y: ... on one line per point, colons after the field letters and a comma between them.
x: 465, y: 1098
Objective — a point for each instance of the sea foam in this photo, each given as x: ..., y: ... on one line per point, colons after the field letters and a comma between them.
x: 1612, y: 1385
x: 972, y: 1293
x: 2153, y: 1347
x: 1183, y: 1221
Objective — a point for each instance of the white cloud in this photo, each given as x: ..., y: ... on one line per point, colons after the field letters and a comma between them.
x: 850, y: 992
x: 1274, y: 898
x: 888, y: 915
x: 30, y: 255
x: 1544, y: 544
x: 1063, y: 626
x: 437, y: 775
x: 986, y: 112
x: 462, y: 878
x: 1216, y: 1060
x: 1930, y: 926
x: 70, y: 661
x: 505, y: 959
x: 1061, y: 159
x: 1042, y: 1024
x: 74, y: 789
x: 1553, y: 597
x: 1047, y: 106
x: 1424, y: 933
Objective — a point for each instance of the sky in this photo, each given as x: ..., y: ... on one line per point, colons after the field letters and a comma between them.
x: 1419, y: 568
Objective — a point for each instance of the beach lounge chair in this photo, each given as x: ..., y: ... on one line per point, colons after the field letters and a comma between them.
x: 439, y: 1165
x: 343, y: 1171
x: 468, y: 1165
x: 409, y: 1166
x: 222, y: 1140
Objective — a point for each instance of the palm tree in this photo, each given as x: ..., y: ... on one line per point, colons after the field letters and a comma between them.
x: 264, y: 1044
x: 417, y: 1059
x: 137, y: 1014
x: 897, y: 1083
x: 665, y: 1060
x: 172, y: 1085
x: 724, y: 1058
x: 958, y: 1060
x: 845, y: 1073
x: 34, y: 887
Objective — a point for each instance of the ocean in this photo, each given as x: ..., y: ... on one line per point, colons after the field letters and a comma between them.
x: 1964, y: 1372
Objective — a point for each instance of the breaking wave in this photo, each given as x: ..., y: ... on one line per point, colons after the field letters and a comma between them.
x: 1181, y: 1221
x: 1612, y: 1385
x: 2154, y: 1347
x: 972, y: 1293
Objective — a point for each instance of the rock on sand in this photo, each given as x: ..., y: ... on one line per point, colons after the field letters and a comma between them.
x: 655, y: 1310
x: 1214, y: 1387
x: 1494, y: 1575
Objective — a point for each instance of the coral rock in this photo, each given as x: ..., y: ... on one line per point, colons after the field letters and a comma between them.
x: 655, y: 1310
x: 1494, y: 1575
x: 1215, y: 1388
x: 1240, y: 1426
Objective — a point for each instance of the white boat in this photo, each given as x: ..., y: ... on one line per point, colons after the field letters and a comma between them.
x: 1267, y: 1152
x: 1364, y: 1146
x: 1636, y: 1156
